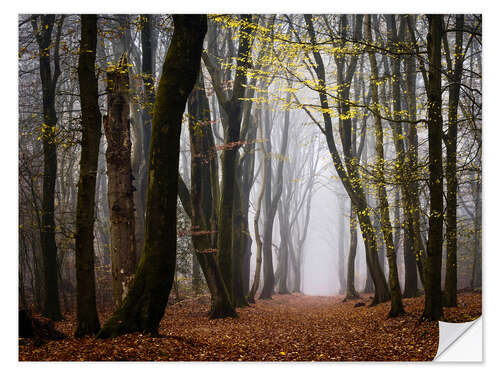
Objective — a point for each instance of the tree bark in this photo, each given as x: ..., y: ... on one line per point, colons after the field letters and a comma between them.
x: 258, y: 241
x: 396, y: 302
x: 204, y: 199
x: 433, y: 296
x: 144, y: 305
x: 341, y: 252
x: 43, y: 35
x: 120, y: 188
x: 450, y: 288
x: 350, y: 291
x: 283, y: 253
x: 233, y: 108
x: 414, y: 226
x: 87, y: 319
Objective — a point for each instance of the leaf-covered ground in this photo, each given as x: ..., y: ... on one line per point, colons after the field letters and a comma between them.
x: 286, y: 328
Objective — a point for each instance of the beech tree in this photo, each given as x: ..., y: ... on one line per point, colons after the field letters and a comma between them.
x: 144, y: 305
x: 42, y: 31
x: 120, y: 187
x: 88, y: 321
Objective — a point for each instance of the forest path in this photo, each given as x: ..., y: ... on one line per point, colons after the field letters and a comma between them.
x: 287, y: 328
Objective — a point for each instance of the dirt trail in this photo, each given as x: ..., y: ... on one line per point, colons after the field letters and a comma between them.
x: 286, y: 328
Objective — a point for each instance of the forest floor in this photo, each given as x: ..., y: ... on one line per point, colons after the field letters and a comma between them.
x: 287, y: 328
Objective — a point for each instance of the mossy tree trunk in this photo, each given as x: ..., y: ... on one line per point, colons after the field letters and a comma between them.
x: 43, y: 35
x: 144, y: 305
x: 87, y: 319
x: 433, y: 297
x: 120, y: 188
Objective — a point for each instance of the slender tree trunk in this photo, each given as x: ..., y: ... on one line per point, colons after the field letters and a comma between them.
x: 248, y: 166
x: 271, y: 205
x: 433, y: 296
x: 43, y: 35
x: 239, y: 298
x: 410, y: 290
x: 87, y: 319
x: 144, y: 305
x: 258, y: 241
x: 120, y: 188
x: 450, y: 289
x: 341, y: 253
x: 351, y: 292
x: 476, y: 279
x: 283, y: 253
x: 413, y: 171
x: 149, y: 44
x: 350, y: 175
x: 396, y: 301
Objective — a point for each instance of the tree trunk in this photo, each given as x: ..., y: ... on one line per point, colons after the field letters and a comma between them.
x: 433, y: 296
x: 120, y: 188
x: 258, y: 241
x: 204, y: 195
x: 248, y: 167
x: 351, y: 292
x: 43, y: 35
x: 413, y: 169
x: 233, y: 108
x: 87, y: 319
x: 341, y: 252
x: 196, y: 281
x: 269, y: 214
x: 450, y: 288
x: 350, y: 175
x: 396, y: 302
x: 283, y: 253
x: 144, y: 305
x: 410, y: 290
x: 272, y: 203
x: 149, y: 44
x: 476, y: 279
x: 239, y: 298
